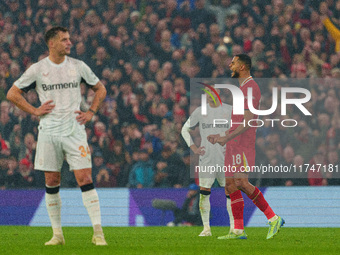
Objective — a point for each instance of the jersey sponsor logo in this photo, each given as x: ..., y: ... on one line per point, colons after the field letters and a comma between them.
x: 207, y: 125
x: 66, y: 85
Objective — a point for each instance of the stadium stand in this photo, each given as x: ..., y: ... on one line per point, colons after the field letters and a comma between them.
x: 145, y: 53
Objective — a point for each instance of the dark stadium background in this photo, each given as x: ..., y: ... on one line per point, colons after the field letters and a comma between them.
x: 145, y: 53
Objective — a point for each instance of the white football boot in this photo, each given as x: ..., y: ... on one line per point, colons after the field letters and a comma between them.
x: 205, y: 232
x: 56, y: 240
x: 99, y: 240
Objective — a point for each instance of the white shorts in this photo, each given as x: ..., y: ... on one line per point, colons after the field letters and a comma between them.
x: 207, y: 182
x: 206, y: 175
x: 52, y: 150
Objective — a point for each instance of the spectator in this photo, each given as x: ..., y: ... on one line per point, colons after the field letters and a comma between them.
x: 100, y: 60
x: 168, y: 168
x: 221, y: 11
x: 81, y: 52
x: 185, y: 178
x: 331, y: 174
x: 7, y: 120
x: 11, y: 174
x: 105, y: 179
x: 125, y: 172
x: 300, y: 177
x: 4, y: 148
x: 14, y: 74
x: 152, y: 70
x: 26, y: 178
x: 98, y: 166
x: 161, y: 175
x: 142, y: 174
x: 315, y: 176
x: 15, y: 141
x: 332, y: 29
x: 124, y: 107
x: 27, y: 149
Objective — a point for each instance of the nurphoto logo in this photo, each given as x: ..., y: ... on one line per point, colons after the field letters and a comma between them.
x: 239, y: 98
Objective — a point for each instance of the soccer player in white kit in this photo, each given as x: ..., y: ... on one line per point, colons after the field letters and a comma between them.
x: 57, y: 79
x: 209, y: 154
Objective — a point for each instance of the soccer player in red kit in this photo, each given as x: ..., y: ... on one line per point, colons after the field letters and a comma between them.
x: 240, y: 155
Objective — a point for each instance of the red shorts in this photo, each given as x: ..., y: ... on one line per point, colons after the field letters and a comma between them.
x: 238, y: 158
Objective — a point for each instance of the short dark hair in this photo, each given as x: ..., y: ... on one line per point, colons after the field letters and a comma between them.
x: 53, y: 32
x: 245, y: 59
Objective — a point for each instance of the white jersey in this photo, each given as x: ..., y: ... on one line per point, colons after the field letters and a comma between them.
x: 214, y: 153
x: 60, y: 83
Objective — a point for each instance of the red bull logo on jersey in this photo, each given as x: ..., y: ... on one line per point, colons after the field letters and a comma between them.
x: 47, y: 87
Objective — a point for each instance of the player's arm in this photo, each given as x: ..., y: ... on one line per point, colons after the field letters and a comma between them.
x: 187, y: 138
x: 248, y: 115
x: 222, y: 140
x: 100, y: 94
x: 15, y: 96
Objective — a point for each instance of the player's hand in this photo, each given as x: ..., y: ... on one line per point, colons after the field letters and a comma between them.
x: 200, y: 151
x: 213, y: 138
x: 45, y: 108
x: 84, y: 117
x: 222, y: 140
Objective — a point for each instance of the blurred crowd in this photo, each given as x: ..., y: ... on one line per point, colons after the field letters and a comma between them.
x: 145, y: 53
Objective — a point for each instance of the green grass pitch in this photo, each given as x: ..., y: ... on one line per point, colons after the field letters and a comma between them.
x: 166, y: 240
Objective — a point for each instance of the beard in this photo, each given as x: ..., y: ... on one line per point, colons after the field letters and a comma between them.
x: 235, y: 74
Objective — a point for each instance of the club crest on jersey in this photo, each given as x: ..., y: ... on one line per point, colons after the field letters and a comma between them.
x: 72, y: 72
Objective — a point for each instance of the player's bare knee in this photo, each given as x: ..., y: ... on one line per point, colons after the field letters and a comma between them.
x: 52, y: 182
x: 238, y: 183
x: 52, y: 179
x: 228, y: 189
x: 229, y: 186
x: 229, y: 182
x: 84, y: 180
x: 203, y: 188
x: 83, y: 176
x: 226, y: 192
x: 242, y: 184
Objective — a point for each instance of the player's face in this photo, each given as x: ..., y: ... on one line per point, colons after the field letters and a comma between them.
x: 62, y: 44
x: 235, y: 68
x: 209, y: 99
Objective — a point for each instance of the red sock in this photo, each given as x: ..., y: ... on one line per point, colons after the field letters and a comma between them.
x: 237, y: 206
x: 259, y: 200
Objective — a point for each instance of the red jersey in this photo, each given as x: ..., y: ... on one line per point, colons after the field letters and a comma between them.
x: 247, y: 138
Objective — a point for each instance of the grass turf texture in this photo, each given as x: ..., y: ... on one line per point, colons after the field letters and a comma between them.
x: 165, y: 240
